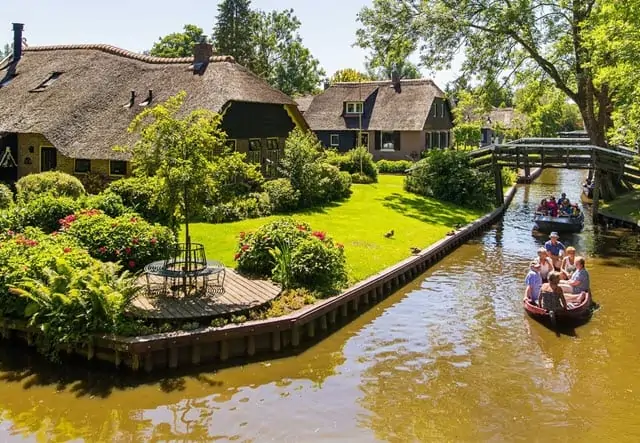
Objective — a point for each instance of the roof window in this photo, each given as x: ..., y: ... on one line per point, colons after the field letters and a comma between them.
x: 48, y: 82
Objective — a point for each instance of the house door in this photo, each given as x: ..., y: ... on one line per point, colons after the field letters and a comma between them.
x: 364, y: 139
x: 9, y: 158
x: 48, y: 159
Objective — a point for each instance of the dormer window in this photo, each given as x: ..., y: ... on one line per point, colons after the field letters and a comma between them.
x: 354, y: 107
x: 48, y: 82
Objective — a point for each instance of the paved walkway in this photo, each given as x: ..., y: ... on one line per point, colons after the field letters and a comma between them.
x: 238, y: 294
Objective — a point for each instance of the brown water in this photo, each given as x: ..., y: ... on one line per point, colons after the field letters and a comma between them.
x: 451, y: 357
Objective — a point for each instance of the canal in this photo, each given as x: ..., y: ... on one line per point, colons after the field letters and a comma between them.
x: 451, y: 357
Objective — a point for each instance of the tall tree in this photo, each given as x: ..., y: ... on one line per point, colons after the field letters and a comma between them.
x: 405, y: 69
x: 178, y: 44
x: 545, y: 36
x: 348, y: 75
x: 280, y: 56
x: 234, y: 29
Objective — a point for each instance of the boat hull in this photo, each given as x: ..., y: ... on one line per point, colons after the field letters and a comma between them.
x: 585, y: 198
x: 571, y: 315
x: 546, y: 223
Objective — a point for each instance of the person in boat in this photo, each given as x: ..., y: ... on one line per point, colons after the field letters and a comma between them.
x: 555, y: 249
x: 552, y: 206
x: 568, y: 266
x: 551, y: 294
x: 563, y: 198
x: 566, y: 208
x: 588, y: 187
x: 575, y: 211
x: 577, y: 287
x: 546, y: 265
x: 533, y: 280
x: 543, y: 208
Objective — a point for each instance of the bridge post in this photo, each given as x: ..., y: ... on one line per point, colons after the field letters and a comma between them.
x: 596, y: 195
x: 497, y: 178
x: 527, y: 168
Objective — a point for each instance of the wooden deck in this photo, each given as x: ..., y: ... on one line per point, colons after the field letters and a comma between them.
x: 238, y: 294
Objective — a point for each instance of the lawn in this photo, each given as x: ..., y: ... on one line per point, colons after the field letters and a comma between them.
x: 627, y: 205
x: 360, y: 224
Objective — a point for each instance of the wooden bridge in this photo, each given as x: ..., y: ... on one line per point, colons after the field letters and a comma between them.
x: 615, y: 170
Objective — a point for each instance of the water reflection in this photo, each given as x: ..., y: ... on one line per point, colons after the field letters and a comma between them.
x: 452, y: 357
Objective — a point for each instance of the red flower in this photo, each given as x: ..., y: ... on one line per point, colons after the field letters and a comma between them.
x: 128, y: 251
x: 320, y: 235
x: 135, y: 241
x: 237, y: 256
x: 11, y: 233
x: 67, y: 250
x: 132, y: 264
x: 244, y: 247
x: 301, y: 228
x: 154, y: 241
x: 102, y: 249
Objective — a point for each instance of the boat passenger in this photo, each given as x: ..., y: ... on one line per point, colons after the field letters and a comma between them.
x: 552, y: 295
x: 552, y: 206
x: 588, y: 187
x: 546, y: 265
x: 565, y: 208
x: 563, y: 198
x: 533, y: 281
x: 575, y: 211
x: 568, y: 263
x: 555, y: 249
x: 543, y: 209
x: 577, y: 287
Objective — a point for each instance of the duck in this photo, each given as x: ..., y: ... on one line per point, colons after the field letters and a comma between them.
x: 389, y: 234
x: 415, y: 250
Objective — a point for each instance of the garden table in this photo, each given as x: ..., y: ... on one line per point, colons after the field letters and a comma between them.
x: 177, y: 277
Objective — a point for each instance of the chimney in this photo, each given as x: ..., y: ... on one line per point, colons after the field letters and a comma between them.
x: 395, y: 78
x: 17, y: 41
x: 327, y: 84
x: 202, y: 51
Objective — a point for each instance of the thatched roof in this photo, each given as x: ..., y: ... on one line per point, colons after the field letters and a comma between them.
x: 82, y: 113
x: 406, y: 109
x: 304, y: 102
x: 505, y: 117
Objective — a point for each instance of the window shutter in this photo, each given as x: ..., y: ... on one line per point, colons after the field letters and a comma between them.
x: 378, y: 141
x: 396, y: 141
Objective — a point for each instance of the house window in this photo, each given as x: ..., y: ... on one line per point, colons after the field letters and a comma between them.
x: 442, y: 110
x: 445, y: 139
x: 364, y: 139
x: 83, y: 166
x: 117, y: 167
x: 387, y: 141
x: 48, y: 82
x: 435, y: 109
x: 255, y: 144
x: 273, y: 144
x: 231, y: 144
x: 334, y: 140
x: 354, y: 107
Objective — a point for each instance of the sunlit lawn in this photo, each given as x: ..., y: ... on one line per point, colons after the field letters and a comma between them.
x: 627, y: 205
x: 360, y: 224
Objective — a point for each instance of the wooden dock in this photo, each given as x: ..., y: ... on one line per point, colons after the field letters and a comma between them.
x: 237, y: 294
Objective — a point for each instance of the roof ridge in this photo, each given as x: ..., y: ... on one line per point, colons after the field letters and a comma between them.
x: 385, y: 82
x: 114, y: 50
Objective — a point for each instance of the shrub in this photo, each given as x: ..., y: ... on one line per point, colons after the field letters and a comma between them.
x: 108, y: 202
x: 361, y: 178
x: 509, y: 176
x: 355, y: 161
x: 291, y: 253
x: 448, y: 175
x: 45, y: 211
x: 11, y: 219
x: 232, y: 177
x: 333, y: 184
x: 95, y: 182
x: 282, y: 196
x: 29, y: 255
x: 128, y: 240
x: 394, y: 166
x: 252, y: 206
x: 6, y: 196
x: 55, y: 183
x: 141, y: 195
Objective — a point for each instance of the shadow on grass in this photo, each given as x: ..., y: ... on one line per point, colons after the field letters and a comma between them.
x: 425, y: 210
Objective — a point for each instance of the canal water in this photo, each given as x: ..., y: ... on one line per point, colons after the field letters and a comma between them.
x: 451, y: 357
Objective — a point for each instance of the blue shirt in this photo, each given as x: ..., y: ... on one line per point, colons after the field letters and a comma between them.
x: 534, y: 279
x: 582, y: 276
x: 554, y: 249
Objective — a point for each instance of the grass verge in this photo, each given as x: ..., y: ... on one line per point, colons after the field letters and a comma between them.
x: 627, y: 205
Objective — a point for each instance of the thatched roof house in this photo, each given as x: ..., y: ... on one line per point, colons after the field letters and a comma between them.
x: 397, y: 118
x: 304, y: 102
x: 80, y: 99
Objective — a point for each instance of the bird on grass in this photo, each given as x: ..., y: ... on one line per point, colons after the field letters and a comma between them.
x: 450, y: 233
x: 415, y: 250
x: 389, y: 234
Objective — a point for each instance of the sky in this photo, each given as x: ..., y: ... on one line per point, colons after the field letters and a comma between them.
x: 328, y: 26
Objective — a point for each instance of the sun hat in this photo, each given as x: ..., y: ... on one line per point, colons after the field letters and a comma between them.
x: 554, y: 234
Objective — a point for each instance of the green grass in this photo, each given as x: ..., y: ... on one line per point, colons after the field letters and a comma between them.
x: 627, y: 205
x: 360, y: 224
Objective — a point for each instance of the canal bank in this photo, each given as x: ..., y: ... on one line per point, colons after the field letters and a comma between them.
x: 449, y: 357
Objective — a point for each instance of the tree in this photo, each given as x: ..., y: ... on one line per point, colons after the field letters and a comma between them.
x: 548, y: 37
x: 178, y: 44
x: 348, y: 75
x: 234, y: 30
x: 6, y: 51
x: 405, y: 69
x: 280, y: 56
x: 178, y: 151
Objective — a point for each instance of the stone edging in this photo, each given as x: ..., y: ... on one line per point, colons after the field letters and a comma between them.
x: 269, y: 336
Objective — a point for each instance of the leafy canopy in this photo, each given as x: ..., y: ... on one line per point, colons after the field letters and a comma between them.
x: 178, y: 44
x: 232, y: 32
x: 348, y: 75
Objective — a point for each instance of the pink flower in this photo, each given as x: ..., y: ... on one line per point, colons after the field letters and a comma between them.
x: 102, y: 249
x: 319, y: 235
x: 54, y: 233
x: 245, y: 247
x: 153, y: 241
x: 127, y: 251
x: 11, y: 233
x: 117, y: 251
x: 67, y: 250
x: 237, y: 256
x: 132, y: 264
x: 135, y: 241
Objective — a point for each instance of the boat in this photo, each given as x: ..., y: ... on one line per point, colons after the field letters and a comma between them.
x: 572, y: 314
x: 564, y: 223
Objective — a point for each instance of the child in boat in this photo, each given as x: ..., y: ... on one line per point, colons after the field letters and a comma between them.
x: 543, y: 209
x: 551, y: 295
